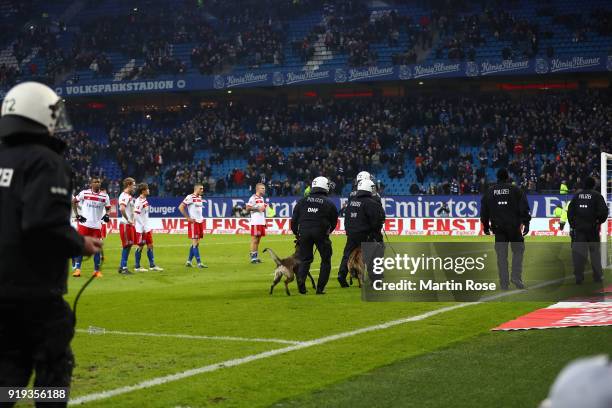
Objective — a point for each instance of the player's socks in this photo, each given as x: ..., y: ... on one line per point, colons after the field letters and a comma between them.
x: 78, y: 262
x: 125, y: 253
x: 97, y: 257
x: 191, y: 248
x: 253, y: 255
x: 196, y: 252
x: 137, y: 256
x: 151, y: 258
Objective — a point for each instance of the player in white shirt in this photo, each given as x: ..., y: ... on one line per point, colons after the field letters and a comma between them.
x: 91, y: 208
x: 144, y: 233
x: 257, y: 210
x: 195, y: 229
x: 126, y: 223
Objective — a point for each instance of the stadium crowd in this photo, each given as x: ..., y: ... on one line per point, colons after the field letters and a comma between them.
x: 219, y: 37
x: 80, y: 152
x: 8, y: 75
x: 462, y: 30
x: 446, y: 143
x: 149, y: 32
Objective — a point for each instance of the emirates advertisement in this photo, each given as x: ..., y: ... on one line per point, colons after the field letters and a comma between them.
x: 417, y: 225
x: 393, y: 226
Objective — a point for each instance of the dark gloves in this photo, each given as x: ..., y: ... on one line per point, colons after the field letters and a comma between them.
x: 106, y: 218
x: 525, y: 229
x: 81, y: 219
x: 486, y: 229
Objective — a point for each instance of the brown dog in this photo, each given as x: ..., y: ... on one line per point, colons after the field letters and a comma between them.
x: 287, y: 267
x: 356, y: 266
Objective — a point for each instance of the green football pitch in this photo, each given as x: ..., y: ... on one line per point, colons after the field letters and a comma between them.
x: 214, y: 337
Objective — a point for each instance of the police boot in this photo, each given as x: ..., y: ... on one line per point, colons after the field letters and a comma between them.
x: 301, y: 283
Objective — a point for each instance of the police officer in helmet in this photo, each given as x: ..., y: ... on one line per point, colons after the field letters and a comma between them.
x: 586, y: 212
x: 36, y: 324
x: 314, y: 218
x: 505, y: 211
x: 364, y: 175
x: 363, y: 223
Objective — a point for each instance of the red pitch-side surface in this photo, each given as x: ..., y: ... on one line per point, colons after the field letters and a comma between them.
x: 566, y: 314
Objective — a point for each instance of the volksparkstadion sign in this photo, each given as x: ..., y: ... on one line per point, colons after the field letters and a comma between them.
x: 279, y: 77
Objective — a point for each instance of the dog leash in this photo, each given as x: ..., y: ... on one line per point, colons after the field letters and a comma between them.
x: 78, y: 296
x: 389, y: 242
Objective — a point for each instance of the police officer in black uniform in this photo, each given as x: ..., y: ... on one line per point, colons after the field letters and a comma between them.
x: 364, y: 175
x: 36, y: 240
x: 314, y: 218
x: 504, y: 209
x: 363, y: 223
x: 587, y: 211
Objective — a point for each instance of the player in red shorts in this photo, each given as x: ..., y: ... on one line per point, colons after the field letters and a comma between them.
x: 144, y: 232
x: 257, y: 207
x: 94, y: 207
x: 193, y: 214
x: 126, y: 223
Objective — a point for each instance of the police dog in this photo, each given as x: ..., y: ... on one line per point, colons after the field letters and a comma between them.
x: 287, y: 267
x: 356, y: 266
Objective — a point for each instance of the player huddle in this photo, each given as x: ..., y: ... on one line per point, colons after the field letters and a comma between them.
x: 91, y: 211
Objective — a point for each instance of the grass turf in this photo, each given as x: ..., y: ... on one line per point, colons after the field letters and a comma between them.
x: 230, y: 299
x: 499, y: 369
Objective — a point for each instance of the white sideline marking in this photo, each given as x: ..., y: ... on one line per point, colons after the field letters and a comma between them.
x: 305, y: 344
x: 239, y: 361
x: 191, y: 336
